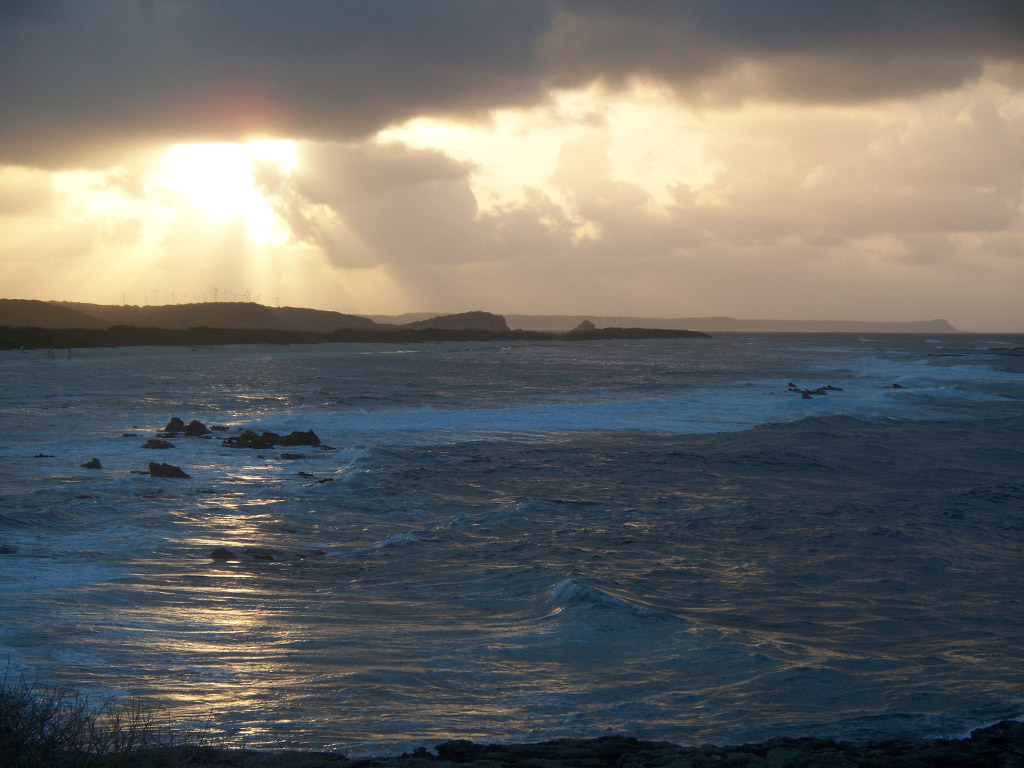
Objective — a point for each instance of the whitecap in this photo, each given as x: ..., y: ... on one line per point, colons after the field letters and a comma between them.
x: 571, y: 593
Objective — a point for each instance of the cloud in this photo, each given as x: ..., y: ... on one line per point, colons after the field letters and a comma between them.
x: 25, y: 192
x: 810, y: 211
x: 85, y: 81
x: 367, y: 204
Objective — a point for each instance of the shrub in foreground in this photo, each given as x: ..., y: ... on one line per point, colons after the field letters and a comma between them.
x: 55, y: 726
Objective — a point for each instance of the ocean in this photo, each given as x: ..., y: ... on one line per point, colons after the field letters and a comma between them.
x: 522, y: 541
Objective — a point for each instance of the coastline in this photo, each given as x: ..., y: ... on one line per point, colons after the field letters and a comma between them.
x: 1000, y: 744
x: 132, y: 336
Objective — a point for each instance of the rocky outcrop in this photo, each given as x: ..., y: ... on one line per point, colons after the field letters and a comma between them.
x: 174, y: 426
x: 195, y: 428
x: 999, y: 745
x: 249, y: 439
x: 586, y: 325
x: 267, y: 440
x: 93, y: 463
x: 157, y: 445
x: 809, y: 394
x: 166, y: 470
x: 301, y: 438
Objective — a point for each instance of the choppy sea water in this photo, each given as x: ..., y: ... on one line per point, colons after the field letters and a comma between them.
x: 526, y: 541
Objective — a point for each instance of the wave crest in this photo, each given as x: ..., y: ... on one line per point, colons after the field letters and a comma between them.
x: 571, y: 593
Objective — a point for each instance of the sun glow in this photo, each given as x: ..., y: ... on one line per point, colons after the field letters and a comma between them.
x: 219, y: 179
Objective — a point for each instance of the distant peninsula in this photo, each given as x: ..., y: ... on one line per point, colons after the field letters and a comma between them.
x: 32, y: 324
x: 557, y: 323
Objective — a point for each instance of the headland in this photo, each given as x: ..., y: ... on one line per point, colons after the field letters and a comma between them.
x: 30, y: 324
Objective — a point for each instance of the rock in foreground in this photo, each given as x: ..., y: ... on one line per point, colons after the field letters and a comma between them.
x: 998, y: 745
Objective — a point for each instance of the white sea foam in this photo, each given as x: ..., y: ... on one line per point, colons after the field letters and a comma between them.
x: 399, y: 540
x: 792, y: 577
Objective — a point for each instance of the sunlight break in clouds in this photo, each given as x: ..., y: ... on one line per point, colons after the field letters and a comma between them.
x: 791, y: 160
x: 219, y: 180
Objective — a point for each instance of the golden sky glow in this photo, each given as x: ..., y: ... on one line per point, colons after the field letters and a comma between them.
x: 801, y: 181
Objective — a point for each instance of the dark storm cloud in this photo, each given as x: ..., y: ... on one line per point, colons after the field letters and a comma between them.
x: 82, y: 79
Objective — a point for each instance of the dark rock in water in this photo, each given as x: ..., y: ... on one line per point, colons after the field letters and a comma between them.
x: 260, y: 554
x: 830, y: 388
x: 157, y: 444
x: 165, y: 470
x: 93, y: 463
x: 323, y: 480
x: 897, y: 386
x: 174, y: 426
x: 7, y: 549
x: 807, y: 396
x: 43, y: 456
x: 196, y: 428
x: 249, y: 439
x: 292, y: 456
x: 301, y: 438
x: 223, y: 553
x: 129, y: 434
x: 218, y: 428
x: 791, y: 385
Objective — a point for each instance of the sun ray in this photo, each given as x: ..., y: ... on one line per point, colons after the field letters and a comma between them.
x: 218, y: 179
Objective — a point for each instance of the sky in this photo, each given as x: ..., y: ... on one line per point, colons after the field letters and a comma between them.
x: 819, y: 159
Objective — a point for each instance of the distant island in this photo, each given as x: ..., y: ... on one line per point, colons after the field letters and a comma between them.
x: 32, y: 324
x: 556, y: 323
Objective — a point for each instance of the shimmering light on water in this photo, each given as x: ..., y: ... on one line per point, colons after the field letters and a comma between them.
x: 525, y: 541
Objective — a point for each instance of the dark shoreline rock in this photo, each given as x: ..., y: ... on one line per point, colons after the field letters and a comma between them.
x: 1000, y: 745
